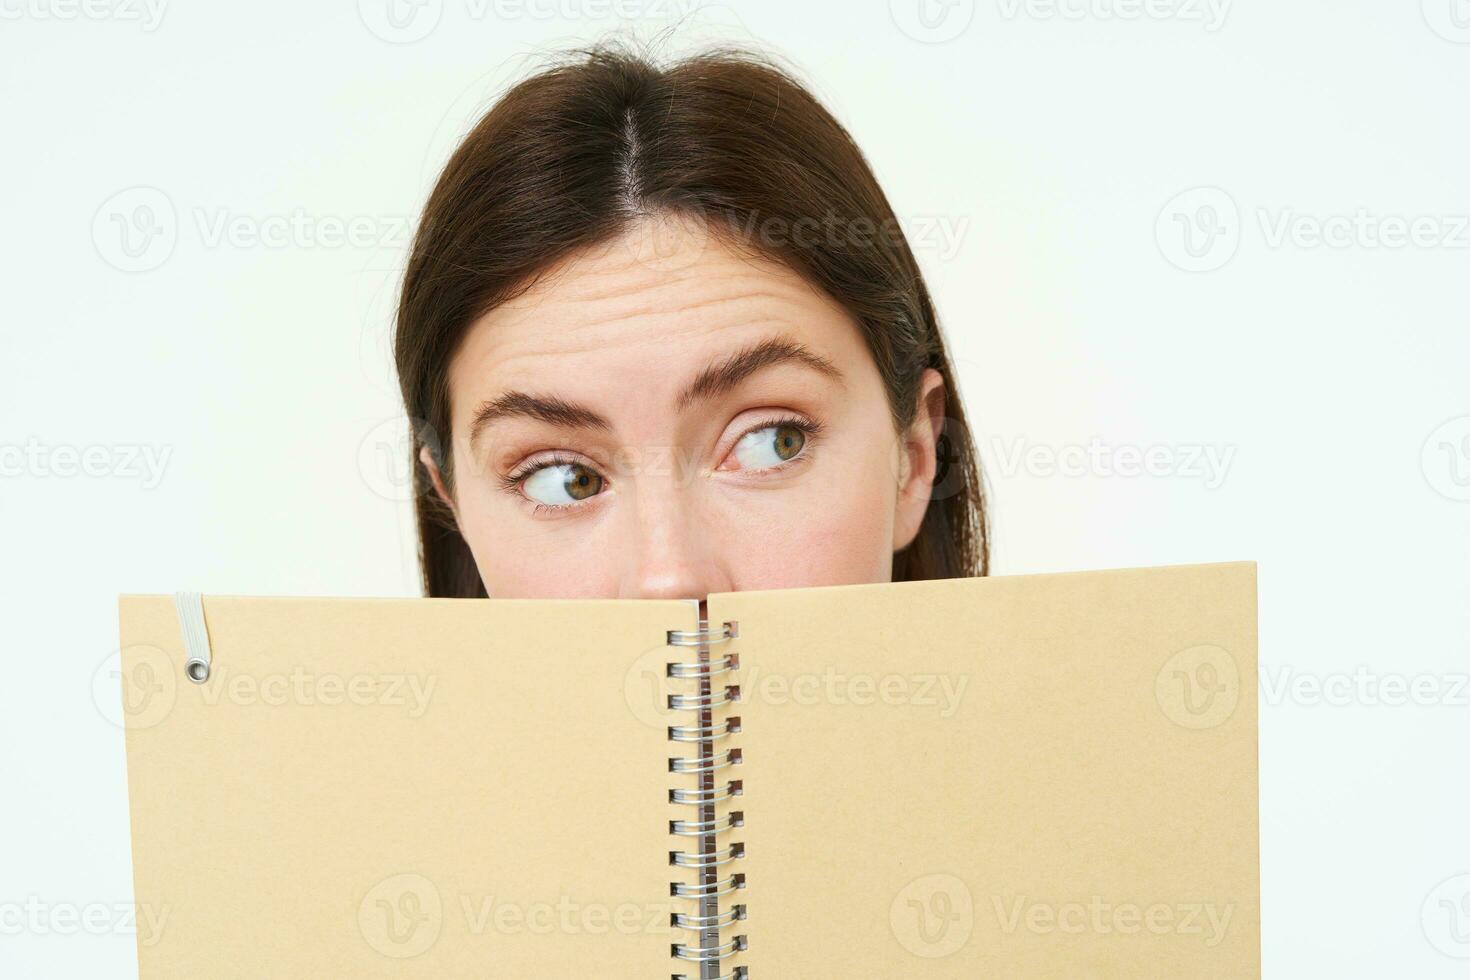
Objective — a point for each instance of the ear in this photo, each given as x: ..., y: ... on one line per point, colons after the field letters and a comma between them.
x: 918, y: 460
x: 437, y: 478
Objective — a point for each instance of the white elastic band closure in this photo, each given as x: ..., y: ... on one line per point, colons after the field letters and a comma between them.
x: 190, y: 607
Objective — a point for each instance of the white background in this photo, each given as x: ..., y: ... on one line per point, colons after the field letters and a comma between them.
x: 173, y: 293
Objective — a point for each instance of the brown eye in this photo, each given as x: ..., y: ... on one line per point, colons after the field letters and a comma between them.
x: 582, y: 483
x: 789, y: 441
x: 770, y: 445
x: 562, y: 484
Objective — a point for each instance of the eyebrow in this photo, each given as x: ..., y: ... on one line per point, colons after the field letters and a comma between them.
x: 715, y: 380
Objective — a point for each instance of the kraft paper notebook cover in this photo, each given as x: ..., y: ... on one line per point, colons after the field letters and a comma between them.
x: 1026, y: 777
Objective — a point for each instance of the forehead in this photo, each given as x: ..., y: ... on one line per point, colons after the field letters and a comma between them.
x: 640, y: 315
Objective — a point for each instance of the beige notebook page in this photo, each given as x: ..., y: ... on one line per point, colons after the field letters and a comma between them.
x: 387, y: 788
x: 1028, y: 777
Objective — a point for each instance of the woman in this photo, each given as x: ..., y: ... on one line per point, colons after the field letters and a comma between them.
x: 660, y: 336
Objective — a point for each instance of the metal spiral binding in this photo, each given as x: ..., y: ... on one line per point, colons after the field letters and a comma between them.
x: 707, y: 858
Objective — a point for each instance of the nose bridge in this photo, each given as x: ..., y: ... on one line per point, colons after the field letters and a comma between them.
x: 668, y: 544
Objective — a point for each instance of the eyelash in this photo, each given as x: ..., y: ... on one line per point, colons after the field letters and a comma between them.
x: 809, y: 428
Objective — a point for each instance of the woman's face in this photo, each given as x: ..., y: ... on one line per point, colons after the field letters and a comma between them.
x: 665, y: 418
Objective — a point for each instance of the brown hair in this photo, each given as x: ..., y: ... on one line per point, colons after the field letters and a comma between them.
x: 568, y: 157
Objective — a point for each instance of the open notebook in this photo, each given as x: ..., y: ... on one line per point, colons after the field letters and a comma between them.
x: 1018, y: 777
